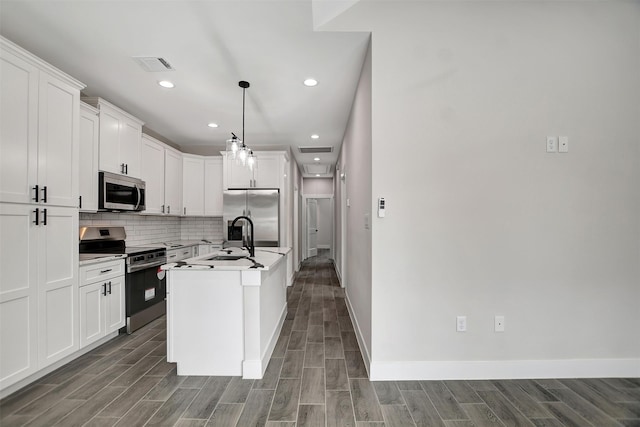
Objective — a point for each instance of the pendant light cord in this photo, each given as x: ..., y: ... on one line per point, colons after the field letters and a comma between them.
x: 243, y: 95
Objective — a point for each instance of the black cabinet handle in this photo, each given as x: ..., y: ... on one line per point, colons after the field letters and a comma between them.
x: 168, y: 209
x: 80, y: 202
x: 36, y: 190
x: 44, y: 217
x: 44, y: 196
x: 37, y: 212
x: 109, y: 287
x: 106, y: 271
x: 104, y: 289
x: 162, y: 208
x: 126, y: 169
x: 185, y: 211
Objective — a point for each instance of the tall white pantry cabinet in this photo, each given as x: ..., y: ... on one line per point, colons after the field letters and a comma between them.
x: 39, y: 148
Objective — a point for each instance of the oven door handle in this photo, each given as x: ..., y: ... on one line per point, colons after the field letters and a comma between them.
x: 138, y: 267
x: 138, y: 202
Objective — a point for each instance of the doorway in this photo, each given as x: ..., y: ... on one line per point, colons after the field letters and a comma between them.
x: 318, y: 223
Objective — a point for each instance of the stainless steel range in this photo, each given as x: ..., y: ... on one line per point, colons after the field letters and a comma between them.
x: 145, y: 284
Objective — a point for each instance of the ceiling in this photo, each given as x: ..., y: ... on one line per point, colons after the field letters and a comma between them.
x: 211, y: 45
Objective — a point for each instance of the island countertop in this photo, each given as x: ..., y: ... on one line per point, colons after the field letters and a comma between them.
x: 265, y: 258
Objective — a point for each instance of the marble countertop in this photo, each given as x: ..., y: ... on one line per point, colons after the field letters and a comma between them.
x: 177, y: 244
x: 264, y: 259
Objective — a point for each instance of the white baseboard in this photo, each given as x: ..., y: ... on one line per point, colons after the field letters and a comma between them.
x: 504, y: 369
x: 361, y: 343
x: 335, y: 267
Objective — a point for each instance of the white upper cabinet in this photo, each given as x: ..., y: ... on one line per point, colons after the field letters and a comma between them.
x: 39, y: 130
x: 161, y: 169
x: 193, y: 185
x: 120, y: 139
x: 89, y: 133
x: 268, y: 172
x: 213, y: 188
x: 173, y: 181
x: 152, y: 173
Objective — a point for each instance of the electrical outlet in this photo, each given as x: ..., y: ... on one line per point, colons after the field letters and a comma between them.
x: 552, y: 144
x: 499, y: 324
x: 563, y: 144
x: 461, y: 323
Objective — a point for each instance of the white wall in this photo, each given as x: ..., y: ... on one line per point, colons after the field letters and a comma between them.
x: 355, y: 162
x: 325, y: 223
x: 496, y: 224
x: 317, y: 186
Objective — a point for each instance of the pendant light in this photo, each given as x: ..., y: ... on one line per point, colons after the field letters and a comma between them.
x: 236, y: 148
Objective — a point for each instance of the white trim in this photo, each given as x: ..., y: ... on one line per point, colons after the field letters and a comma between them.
x: 255, y: 369
x: 504, y: 369
x: 366, y: 357
x: 324, y: 246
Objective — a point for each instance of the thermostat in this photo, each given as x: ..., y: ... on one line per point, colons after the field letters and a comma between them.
x: 381, y: 207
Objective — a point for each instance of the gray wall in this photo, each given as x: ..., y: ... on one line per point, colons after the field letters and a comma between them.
x: 486, y: 221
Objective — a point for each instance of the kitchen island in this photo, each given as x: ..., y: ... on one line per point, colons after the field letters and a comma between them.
x: 223, y: 315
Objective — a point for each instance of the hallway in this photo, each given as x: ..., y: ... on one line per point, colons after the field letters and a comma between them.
x: 316, y: 377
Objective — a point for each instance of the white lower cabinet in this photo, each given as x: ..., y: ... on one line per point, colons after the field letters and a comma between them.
x: 38, y: 288
x: 102, y: 302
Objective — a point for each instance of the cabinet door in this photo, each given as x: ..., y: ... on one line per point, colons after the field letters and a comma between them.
x: 88, y: 173
x: 110, y: 141
x: 130, y: 140
x: 268, y: 171
x: 18, y: 293
x: 213, y: 186
x: 152, y: 172
x: 58, y: 133
x: 114, y: 305
x: 58, y: 285
x: 193, y: 186
x: 91, y: 313
x: 238, y: 176
x: 173, y: 182
x: 18, y: 128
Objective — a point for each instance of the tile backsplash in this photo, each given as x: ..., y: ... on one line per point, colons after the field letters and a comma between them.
x: 145, y: 229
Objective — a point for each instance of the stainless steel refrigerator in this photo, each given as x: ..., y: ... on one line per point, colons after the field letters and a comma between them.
x: 262, y: 206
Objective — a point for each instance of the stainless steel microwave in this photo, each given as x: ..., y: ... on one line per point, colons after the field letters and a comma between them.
x: 120, y: 192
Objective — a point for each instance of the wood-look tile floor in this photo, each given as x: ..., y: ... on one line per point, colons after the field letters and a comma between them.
x: 316, y: 377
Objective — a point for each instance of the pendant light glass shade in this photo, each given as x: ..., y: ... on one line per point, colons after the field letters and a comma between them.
x: 236, y: 148
x: 233, y: 145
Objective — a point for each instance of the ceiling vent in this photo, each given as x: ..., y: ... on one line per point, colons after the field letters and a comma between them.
x: 312, y: 150
x: 153, y: 64
x: 317, y: 168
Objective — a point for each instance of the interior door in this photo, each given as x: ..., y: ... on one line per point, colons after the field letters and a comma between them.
x: 312, y: 227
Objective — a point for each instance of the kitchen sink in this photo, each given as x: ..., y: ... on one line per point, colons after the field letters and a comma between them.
x: 226, y: 257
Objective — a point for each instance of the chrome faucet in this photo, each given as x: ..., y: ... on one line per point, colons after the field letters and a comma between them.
x: 252, y: 249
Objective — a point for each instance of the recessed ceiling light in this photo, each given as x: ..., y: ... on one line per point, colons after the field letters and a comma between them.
x: 315, y: 136
x: 166, y: 83
x: 213, y: 125
x: 317, y: 159
x: 310, y: 82
x: 317, y: 174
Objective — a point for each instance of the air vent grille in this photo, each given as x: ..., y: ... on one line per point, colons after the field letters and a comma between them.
x: 312, y: 150
x: 316, y: 168
x: 153, y: 63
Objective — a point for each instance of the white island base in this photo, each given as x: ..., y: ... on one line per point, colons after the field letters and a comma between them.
x: 225, y: 321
